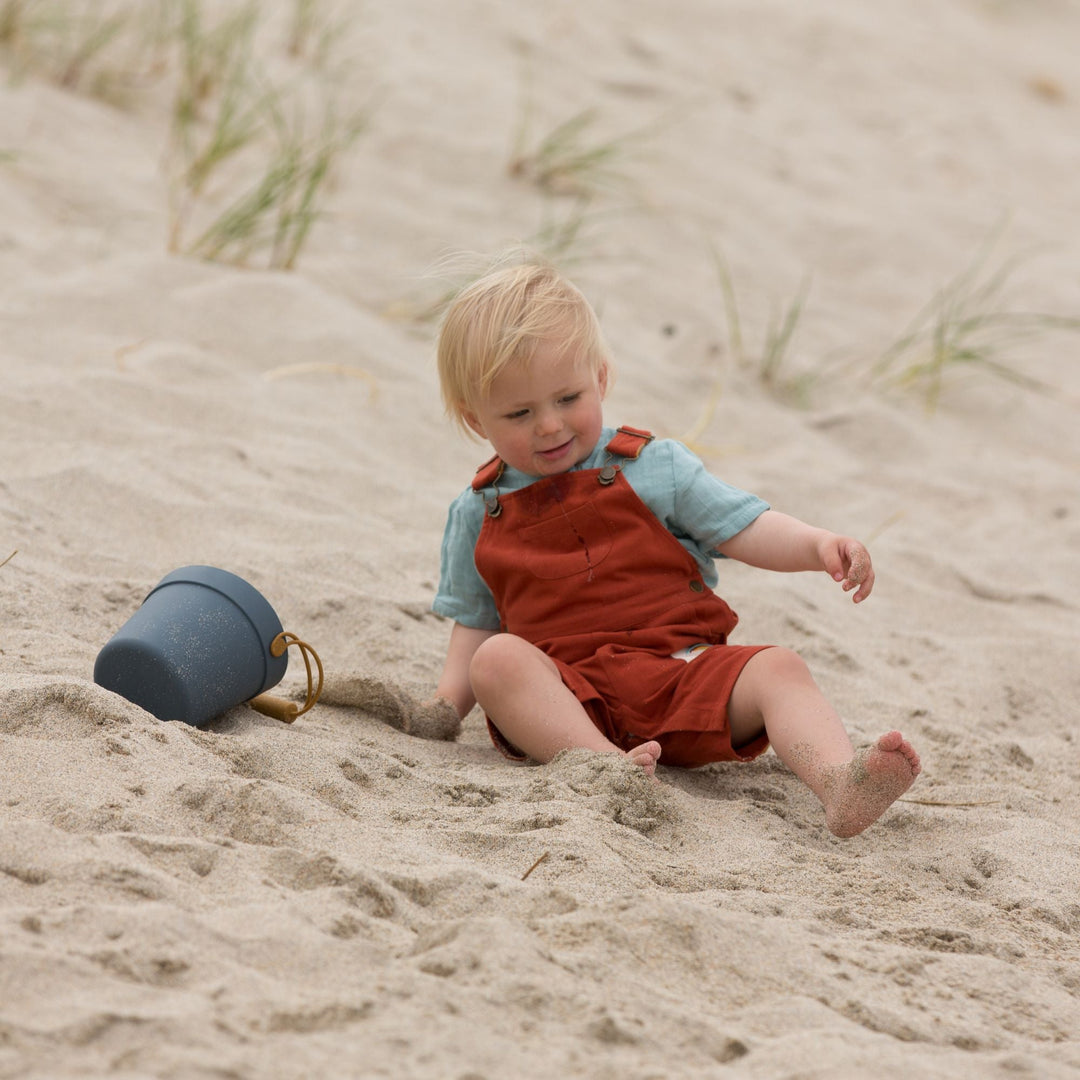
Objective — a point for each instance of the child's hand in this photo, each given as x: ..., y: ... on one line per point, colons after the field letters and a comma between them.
x: 394, y: 705
x: 847, y: 561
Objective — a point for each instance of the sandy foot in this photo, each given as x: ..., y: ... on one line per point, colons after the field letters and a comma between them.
x: 858, y: 793
x: 646, y: 755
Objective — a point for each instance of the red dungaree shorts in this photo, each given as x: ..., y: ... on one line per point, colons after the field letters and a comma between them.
x: 584, y: 570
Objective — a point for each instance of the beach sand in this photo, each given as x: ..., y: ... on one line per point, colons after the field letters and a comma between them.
x: 341, y: 898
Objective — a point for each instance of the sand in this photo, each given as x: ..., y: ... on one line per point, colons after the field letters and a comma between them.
x: 342, y: 897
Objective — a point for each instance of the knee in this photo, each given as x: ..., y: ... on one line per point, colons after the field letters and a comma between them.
x: 787, y: 658
x: 783, y: 664
x: 494, y: 660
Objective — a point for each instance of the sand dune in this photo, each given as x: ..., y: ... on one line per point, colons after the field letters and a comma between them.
x: 341, y: 898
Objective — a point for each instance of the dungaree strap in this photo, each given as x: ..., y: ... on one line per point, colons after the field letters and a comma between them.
x: 488, y: 473
x: 627, y: 443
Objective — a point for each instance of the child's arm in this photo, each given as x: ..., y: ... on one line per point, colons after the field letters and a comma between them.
x: 454, y: 685
x: 775, y: 541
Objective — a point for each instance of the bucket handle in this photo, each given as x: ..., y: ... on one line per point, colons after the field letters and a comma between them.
x: 277, y: 707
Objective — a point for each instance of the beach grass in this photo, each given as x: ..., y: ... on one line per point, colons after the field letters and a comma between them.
x: 211, y: 56
x: 215, y: 111
x: 303, y: 26
x: 767, y: 364
x: 567, y: 230
x: 312, y: 32
x: 84, y: 39
x: 248, y: 159
x: 968, y: 326
x: 66, y: 42
x: 245, y: 145
x: 277, y: 210
x: 570, y: 159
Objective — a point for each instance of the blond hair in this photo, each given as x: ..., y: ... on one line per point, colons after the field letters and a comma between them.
x: 504, y: 317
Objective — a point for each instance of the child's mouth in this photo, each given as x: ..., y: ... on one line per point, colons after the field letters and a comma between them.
x: 556, y: 452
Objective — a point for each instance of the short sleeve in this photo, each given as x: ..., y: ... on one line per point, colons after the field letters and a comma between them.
x: 462, y: 594
x: 706, y: 508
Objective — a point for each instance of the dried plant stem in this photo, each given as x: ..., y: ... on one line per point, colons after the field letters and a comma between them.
x: 287, y: 371
x: 535, y: 865
x: 942, y: 802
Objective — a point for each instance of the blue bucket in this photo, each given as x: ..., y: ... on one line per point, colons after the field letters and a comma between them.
x: 199, y: 645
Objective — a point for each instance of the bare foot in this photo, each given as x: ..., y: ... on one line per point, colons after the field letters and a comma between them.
x: 646, y: 755
x: 858, y: 793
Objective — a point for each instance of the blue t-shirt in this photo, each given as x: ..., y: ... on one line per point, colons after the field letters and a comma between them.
x: 699, y: 510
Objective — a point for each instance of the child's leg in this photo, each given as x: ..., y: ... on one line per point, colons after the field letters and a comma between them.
x: 777, y: 692
x: 521, y: 689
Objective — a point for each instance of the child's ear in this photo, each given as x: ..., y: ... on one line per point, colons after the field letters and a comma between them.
x: 602, y: 379
x: 473, y: 421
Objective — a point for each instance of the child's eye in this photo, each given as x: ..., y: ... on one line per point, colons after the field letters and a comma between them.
x: 569, y: 399
x: 517, y: 414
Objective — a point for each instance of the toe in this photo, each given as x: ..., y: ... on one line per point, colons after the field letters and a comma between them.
x: 891, y: 740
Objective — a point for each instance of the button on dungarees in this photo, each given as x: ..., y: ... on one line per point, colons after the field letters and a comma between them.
x: 584, y: 570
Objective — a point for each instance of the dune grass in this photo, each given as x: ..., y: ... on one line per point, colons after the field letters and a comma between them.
x: 575, y: 157
x: 248, y: 160
x: 768, y: 364
x: 968, y: 326
x: 570, y: 159
x: 568, y: 230
x: 278, y: 209
x: 11, y: 16
x: 240, y: 141
x: 82, y: 41
x: 211, y: 57
x: 574, y: 169
x: 66, y: 42
x: 312, y: 32
x: 214, y: 112
x: 303, y: 26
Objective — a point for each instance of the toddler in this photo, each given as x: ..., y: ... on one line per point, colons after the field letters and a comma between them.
x: 578, y: 569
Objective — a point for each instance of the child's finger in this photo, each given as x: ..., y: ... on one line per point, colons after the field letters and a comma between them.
x: 864, y: 589
x: 835, y: 563
x: 859, y: 567
x: 860, y: 573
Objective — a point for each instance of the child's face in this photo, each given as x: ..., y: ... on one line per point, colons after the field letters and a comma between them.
x: 543, y: 416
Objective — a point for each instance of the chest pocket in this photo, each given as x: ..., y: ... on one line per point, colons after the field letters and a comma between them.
x: 570, y: 543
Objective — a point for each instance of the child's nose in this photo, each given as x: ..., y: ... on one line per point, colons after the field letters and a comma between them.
x: 547, y: 421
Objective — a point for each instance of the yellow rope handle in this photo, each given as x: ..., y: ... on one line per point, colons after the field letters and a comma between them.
x: 280, y: 708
